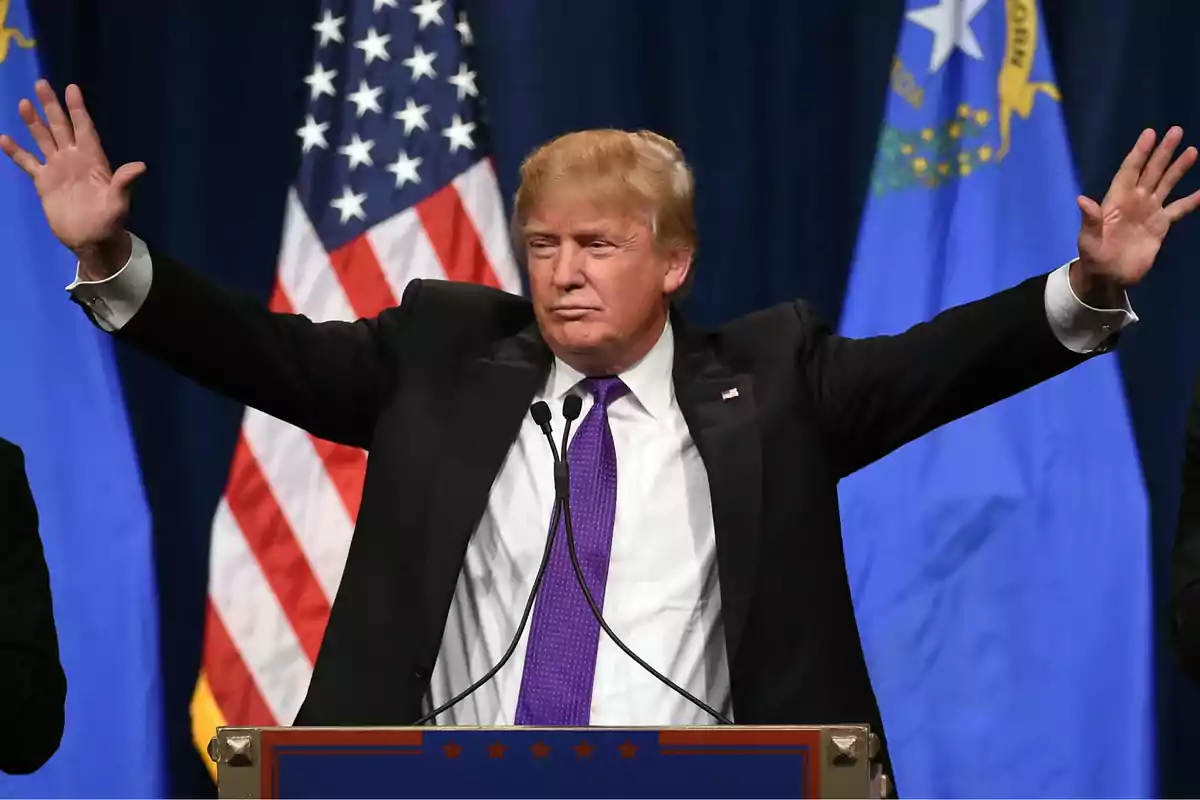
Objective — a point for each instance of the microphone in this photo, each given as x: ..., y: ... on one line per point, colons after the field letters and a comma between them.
x: 571, y: 408
x: 541, y: 415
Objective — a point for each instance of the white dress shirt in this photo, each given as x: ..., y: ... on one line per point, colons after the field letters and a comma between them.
x: 662, y: 596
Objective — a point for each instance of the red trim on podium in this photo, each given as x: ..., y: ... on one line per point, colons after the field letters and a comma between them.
x: 734, y: 737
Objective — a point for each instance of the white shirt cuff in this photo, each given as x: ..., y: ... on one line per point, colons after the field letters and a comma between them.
x: 1081, y: 328
x: 114, y: 300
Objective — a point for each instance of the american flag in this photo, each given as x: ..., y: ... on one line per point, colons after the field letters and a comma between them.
x: 395, y: 183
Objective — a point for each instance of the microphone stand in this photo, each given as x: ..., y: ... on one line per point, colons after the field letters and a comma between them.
x: 541, y: 415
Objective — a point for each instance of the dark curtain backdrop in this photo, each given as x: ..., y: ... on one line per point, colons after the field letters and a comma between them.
x: 776, y: 102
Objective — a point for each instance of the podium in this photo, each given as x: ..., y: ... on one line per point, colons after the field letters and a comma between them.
x: 525, y: 762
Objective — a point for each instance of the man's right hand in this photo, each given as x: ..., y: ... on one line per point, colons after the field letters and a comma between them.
x: 84, y: 201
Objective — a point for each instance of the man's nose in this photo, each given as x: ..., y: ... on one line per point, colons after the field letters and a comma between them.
x: 568, y: 268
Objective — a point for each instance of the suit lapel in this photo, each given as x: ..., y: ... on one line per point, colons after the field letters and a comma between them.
x: 719, y: 407
x: 490, y: 402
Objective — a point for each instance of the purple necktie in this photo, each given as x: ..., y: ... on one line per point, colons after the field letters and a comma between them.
x: 560, y: 661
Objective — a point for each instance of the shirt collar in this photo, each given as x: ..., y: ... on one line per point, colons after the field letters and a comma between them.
x: 649, y: 380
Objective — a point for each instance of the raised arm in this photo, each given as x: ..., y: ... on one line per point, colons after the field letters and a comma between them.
x: 879, y: 393
x: 330, y: 378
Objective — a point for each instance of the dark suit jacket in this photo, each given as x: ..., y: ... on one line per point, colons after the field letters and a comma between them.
x: 33, y: 688
x: 437, y: 388
x: 1185, y: 558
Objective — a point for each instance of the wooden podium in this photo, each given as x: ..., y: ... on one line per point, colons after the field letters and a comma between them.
x: 701, y: 762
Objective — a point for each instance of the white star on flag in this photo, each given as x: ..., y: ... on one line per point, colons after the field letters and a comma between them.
x: 421, y: 63
x: 950, y: 21
x: 405, y: 169
x: 459, y: 134
x: 349, y: 204
x: 428, y: 11
x: 330, y: 28
x: 366, y: 98
x: 464, y: 29
x: 312, y: 133
x: 320, y: 81
x: 413, y: 116
x: 465, y: 81
x: 358, y: 151
x: 374, y: 46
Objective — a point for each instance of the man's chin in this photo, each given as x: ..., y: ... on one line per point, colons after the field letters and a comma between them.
x: 580, y: 339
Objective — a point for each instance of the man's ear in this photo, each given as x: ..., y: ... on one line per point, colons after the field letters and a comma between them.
x: 679, y: 270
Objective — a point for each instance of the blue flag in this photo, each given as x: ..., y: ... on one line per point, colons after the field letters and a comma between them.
x: 999, y: 565
x: 61, y: 402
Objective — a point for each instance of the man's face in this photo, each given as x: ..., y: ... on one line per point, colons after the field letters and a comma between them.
x: 599, y: 285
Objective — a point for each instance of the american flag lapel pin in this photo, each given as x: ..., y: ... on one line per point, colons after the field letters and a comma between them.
x: 729, y: 394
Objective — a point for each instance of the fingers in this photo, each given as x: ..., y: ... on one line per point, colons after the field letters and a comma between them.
x: 1174, y: 173
x: 60, y: 126
x: 1131, y: 168
x: 21, y: 157
x: 1158, y: 162
x: 59, y: 129
x: 1182, y: 207
x: 1091, y: 210
x: 81, y: 120
x: 127, y: 174
x: 37, y: 128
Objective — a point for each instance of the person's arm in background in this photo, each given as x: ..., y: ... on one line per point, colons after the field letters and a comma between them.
x: 1185, y: 557
x: 33, y: 687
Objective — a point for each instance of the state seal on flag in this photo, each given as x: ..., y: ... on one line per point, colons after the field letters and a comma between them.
x: 939, y: 146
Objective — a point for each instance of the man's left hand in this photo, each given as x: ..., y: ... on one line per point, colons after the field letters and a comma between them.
x: 1120, y: 237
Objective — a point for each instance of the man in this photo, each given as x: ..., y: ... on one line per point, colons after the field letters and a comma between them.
x: 1185, y: 558
x: 714, y: 550
x: 33, y: 688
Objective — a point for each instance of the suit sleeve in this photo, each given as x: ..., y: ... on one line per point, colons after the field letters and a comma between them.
x: 329, y: 378
x: 32, y: 683
x: 1185, y: 555
x: 876, y: 394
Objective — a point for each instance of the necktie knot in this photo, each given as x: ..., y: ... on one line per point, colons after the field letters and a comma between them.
x: 606, y: 389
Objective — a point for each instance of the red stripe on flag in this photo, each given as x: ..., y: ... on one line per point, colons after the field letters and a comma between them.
x: 347, y: 466
x: 455, y: 239
x: 233, y: 687
x: 362, y: 278
x: 280, y: 303
x: 274, y: 545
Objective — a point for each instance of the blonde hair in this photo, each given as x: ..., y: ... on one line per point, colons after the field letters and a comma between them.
x: 635, y: 172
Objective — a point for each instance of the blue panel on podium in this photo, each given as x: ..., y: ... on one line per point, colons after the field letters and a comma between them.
x: 539, y: 763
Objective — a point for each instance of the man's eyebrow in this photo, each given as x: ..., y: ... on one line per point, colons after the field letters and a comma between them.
x: 585, y: 232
